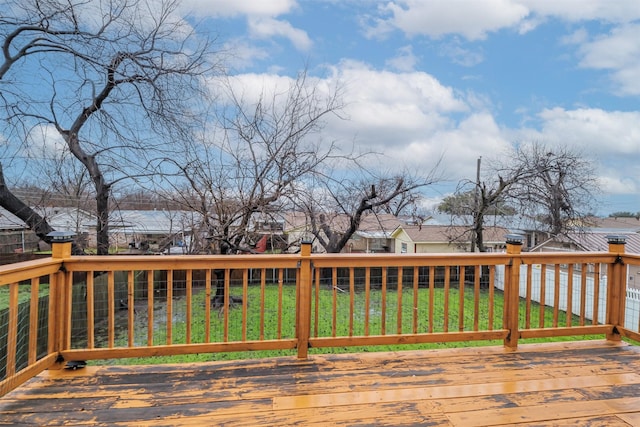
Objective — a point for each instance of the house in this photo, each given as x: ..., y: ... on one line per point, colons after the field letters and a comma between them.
x: 15, y: 236
x: 167, y: 231
x: 79, y: 221
x: 373, y: 234
x: 444, y: 238
x: 594, y: 239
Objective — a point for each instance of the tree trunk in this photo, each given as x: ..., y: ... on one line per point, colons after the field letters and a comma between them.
x: 10, y: 202
x: 102, y: 232
x: 478, y: 231
x: 31, y: 218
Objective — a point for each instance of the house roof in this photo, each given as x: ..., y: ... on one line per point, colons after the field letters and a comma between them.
x: 446, y: 234
x: 151, y: 222
x: 610, y: 224
x: 596, y: 241
x: 9, y: 221
x: 64, y: 218
x: 371, y: 225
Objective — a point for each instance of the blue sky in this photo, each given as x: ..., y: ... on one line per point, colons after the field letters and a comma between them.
x: 455, y: 80
x: 459, y: 78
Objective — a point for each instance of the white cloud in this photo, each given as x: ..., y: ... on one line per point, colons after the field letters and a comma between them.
x: 261, y: 20
x: 475, y: 19
x: 239, y: 7
x: 44, y: 142
x: 471, y: 19
x: 583, y: 10
x: 414, y: 120
x: 241, y: 54
x: 607, y: 133
x: 618, y: 51
x: 386, y: 108
x: 265, y: 28
x: 612, y: 183
x: 577, y: 37
x: 404, y: 61
x: 614, y: 50
x: 610, y: 138
x: 460, y: 55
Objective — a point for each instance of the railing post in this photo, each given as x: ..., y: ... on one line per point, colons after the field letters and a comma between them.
x: 616, y: 287
x: 60, y: 294
x: 303, y: 328
x: 512, y: 291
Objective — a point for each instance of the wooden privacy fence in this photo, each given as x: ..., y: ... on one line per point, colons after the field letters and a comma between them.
x: 101, y: 307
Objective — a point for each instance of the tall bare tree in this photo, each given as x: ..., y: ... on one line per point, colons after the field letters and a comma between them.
x: 560, y: 187
x: 336, y: 205
x: 553, y: 190
x: 476, y: 201
x: 113, y: 78
x: 247, y: 165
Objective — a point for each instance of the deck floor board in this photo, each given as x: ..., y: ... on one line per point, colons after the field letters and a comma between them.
x: 587, y: 383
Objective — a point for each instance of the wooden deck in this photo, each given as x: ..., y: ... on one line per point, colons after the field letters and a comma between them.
x: 594, y: 383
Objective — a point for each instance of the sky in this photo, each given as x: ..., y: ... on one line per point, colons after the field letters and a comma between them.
x: 455, y: 80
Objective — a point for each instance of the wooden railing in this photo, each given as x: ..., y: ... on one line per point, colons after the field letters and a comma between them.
x: 71, y: 308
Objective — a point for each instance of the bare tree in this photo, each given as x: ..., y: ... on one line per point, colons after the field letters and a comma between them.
x: 476, y: 201
x: 336, y: 207
x: 16, y: 206
x: 554, y: 188
x: 114, y: 79
x: 247, y: 166
x: 558, y: 188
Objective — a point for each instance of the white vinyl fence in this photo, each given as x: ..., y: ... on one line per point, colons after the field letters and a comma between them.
x: 632, y: 311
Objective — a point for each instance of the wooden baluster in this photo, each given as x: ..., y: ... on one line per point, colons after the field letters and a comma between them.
x: 150, y: 297
x: 583, y: 293
x: 263, y: 284
x: 432, y: 281
x: 111, y: 307
x: 569, y: 312
x: 416, y: 276
x: 476, y: 297
x: 352, y: 296
x: 447, y: 280
x: 130, y: 309
x: 367, y: 299
x: 462, y: 271
x: 399, y: 298
x: 189, y: 304
x: 33, y: 320
x: 169, y: 307
x: 90, y: 310
x: 207, y: 306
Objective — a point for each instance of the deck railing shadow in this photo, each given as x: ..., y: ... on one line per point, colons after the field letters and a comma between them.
x: 77, y: 308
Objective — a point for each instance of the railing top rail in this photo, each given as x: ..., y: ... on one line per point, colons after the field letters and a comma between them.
x: 631, y: 258
x: 17, y: 272
x: 25, y: 270
x: 566, y: 257
x: 413, y: 259
x: 179, y: 262
x: 457, y: 259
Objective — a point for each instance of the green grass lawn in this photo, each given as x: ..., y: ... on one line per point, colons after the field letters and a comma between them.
x: 325, y: 321
x: 24, y: 294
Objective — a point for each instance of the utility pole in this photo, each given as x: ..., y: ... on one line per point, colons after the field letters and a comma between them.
x: 476, y: 203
